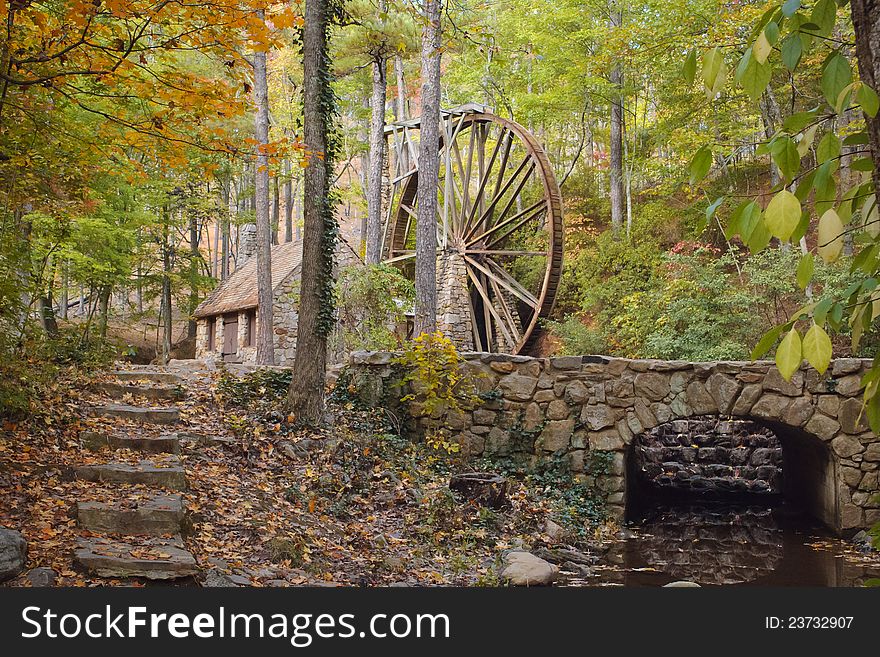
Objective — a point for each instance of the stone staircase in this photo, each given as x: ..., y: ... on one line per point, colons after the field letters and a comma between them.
x: 136, y: 535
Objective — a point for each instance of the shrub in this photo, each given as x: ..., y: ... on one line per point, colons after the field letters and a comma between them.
x: 440, y: 386
x: 373, y: 302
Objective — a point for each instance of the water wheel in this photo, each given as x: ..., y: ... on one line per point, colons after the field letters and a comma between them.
x: 499, y: 228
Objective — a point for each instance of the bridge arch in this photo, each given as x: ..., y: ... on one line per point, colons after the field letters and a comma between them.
x: 742, y: 456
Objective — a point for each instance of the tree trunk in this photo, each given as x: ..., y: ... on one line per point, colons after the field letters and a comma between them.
x: 65, y: 289
x: 866, y: 23
x: 276, y: 208
x: 225, y: 240
x: 104, y: 312
x: 306, y: 395
x: 400, y: 112
x: 616, y: 138
x: 377, y: 158
x: 47, y: 316
x: 771, y: 116
x: 288, y: 203
x: 265, y: 321
x: 429, y: 165
x: 165, y: 305
x: 193, y: 274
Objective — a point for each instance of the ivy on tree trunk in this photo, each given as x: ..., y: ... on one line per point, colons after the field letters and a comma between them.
x: 320, y: 231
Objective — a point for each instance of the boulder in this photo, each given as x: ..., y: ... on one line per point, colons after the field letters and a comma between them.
x: 13, y: 553
x: 681, y: 584
x: 41, y: 577
x: 521, y: 568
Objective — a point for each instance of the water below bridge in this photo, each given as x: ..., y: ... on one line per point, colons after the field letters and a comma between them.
x: 732, y: 543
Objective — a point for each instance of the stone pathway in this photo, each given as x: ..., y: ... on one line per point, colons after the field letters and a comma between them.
x: 136, y: 537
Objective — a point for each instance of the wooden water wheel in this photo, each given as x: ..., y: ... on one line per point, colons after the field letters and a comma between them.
x: 499, y: 228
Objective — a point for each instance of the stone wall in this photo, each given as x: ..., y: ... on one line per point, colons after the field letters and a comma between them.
x: 710, y: 455
x: 286, y: 315
x: 577, y: 406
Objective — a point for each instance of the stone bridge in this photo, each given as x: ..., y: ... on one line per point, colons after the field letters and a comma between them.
x: 581, y: 407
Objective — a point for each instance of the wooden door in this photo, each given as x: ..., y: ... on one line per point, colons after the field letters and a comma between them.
x: 230, y: 337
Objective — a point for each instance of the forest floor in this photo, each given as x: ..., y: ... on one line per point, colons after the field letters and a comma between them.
x: 273, y: 506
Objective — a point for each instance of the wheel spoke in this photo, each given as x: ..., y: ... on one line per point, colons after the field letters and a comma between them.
x: 534, y: 206
x: 487, y: 305
x: 409, y: 255
x: 506, y: 282
x: 507, y: 313
x: 471, y: 226
x: 510, y: 283
x: 522, y: 165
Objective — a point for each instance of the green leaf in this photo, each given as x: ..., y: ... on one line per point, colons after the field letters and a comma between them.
x: 689, y: 69
x: 821, y: 310
x: 805, y: 186
x: 802, y: 227
x: 798, y: 121
x: 785, y: 154
x: 805, y: 270
x: 771, y: 30
x: 700, y: 164
x: 788, y: 354
x: 782, y: 215
x: 829, y: 147
x: 867, y: 98
x: 829, y: 236
x: 789, y: 7
x: 856, y: 139
x: 836, y: 76
x: 792, y: 49
x: 714, y: 71
x: 734, y: 223
x: 844, y: 98
x: 817, y: 348
x: 754, y: 76
x: 826, y: 194
x: 872, y: 411
x: 760, y: 238
x: 862, y: 164
x: 824, y: 15
x: 836, y: 316
x: 766, y: 341
x: 749, y: 220
x: 710, y: 211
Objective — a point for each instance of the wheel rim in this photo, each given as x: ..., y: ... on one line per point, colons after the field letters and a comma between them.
x: 499, y: 233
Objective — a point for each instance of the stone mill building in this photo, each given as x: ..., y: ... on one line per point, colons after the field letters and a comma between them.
x: 226, y: 321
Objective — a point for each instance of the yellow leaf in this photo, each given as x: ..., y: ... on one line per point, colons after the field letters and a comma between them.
x: 762, y: 48
x: 788, y: 354
x: 830, y: 236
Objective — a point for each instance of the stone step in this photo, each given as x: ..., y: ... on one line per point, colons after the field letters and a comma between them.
x: 166, y: 415
x: 95, y: 441
x: 168, y: 474
x: 118, y: 390
x: 152, y: 558
x: 146, y: 375
x: 161, y: 514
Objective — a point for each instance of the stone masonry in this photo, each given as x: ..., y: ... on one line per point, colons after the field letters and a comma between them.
x: 453, y: 318
x: 710, y: 455
x: 572, y: 406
